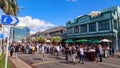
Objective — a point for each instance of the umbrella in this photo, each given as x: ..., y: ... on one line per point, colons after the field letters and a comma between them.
x: 69, y: 41
x: 48, y: 41
x: 105, y: 40
x: 94, y: 41
x: 82, y: 40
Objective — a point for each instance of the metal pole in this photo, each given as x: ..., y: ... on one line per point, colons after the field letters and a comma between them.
x: 6, y: 60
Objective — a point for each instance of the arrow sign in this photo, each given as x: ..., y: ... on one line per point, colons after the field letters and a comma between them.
x: 9, y: 20
x: 6, y: 20
x: 15, y: 21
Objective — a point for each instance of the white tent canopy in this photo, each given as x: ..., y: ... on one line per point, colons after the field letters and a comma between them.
x: 48, y: 41
x: 105, y: 40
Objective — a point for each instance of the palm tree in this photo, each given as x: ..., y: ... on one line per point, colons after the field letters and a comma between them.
x: 40, y: 39
x: 9, y: 7
x: 56, y: 39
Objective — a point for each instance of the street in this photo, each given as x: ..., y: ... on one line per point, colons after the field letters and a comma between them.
x: 51, y: 62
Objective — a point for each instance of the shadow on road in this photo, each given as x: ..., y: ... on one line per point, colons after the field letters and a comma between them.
x: 37, y: 59
x: 66, y: 62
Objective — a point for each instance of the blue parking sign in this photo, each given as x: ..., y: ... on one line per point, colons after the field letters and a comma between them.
x: 2, y: 36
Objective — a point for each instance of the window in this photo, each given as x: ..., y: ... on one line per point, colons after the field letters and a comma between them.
x: 92, y: 27
x: 70, y: 30
x: 103, y: 25
x: 76, y: 29
x: 115, y: 24
x: 83, y: 28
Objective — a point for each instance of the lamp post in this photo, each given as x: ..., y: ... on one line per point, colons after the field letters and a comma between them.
x: 116, y: 40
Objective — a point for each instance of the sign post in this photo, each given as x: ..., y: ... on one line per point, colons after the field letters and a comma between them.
x: 1, y: 37
x: 6, y: 59
x: 8, y: 20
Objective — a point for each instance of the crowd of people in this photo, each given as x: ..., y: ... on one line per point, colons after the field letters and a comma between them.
x: 80, y: 51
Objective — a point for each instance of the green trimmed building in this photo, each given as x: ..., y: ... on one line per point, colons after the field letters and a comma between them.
x: 97, y: 25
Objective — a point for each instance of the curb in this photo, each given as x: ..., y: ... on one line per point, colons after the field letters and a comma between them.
x: 118, y: 56
x: 13, y: 65
x: 30, y: 63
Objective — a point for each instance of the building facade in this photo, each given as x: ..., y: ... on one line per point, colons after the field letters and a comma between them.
x: 20, y: 33
x: 56, y: 31
x: 97, y: 25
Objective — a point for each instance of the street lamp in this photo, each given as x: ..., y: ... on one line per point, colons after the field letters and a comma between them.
x: 116, y: 39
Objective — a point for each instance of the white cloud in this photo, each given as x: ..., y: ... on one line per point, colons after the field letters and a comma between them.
x: 34, y: 24
x: 72, y: 0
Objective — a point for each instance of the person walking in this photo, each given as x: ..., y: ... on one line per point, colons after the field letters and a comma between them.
x: 43, y: 51
x: 58, y: 51
x: 81, y: 55
x: 11, y: 49
x: 73, y: 54
x: 66, y: 52
x: 101, y: 52
x: 97, y: 53
x: 33, y: 49
x: 16, y: 50
x: 27, y: 48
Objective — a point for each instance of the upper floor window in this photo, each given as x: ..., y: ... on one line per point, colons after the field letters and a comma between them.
x: 83, y: 28
x: 92, y: 27
x: 76, y: 29
x: 103, y: 25
x: 70, y: 30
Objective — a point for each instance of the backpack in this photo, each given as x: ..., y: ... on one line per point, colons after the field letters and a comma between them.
x: 11, y: 48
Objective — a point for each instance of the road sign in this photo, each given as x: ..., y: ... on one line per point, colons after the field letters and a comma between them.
x: 15, y: 21
x: 9, y: 20
x: 2, y: 36
x: 6, y: 20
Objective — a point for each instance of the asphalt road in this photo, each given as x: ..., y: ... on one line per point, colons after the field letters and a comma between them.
x: 52, y: 62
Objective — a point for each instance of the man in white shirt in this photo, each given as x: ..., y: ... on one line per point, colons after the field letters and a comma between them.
x: 58, y: 51
x: 81, y: 54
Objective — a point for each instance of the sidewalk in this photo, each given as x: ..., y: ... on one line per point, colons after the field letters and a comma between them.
x: 118, y: 54
x: 19, y: 63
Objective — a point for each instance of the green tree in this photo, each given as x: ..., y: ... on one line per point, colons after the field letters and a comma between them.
x: 9, y: 7
x: 32, y: 40
x: 40, y: 39
x: 56, y: 39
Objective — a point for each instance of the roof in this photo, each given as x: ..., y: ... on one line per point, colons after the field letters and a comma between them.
x: 54, y: 29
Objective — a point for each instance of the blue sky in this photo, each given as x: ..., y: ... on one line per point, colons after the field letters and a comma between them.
x: 51, y: 13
